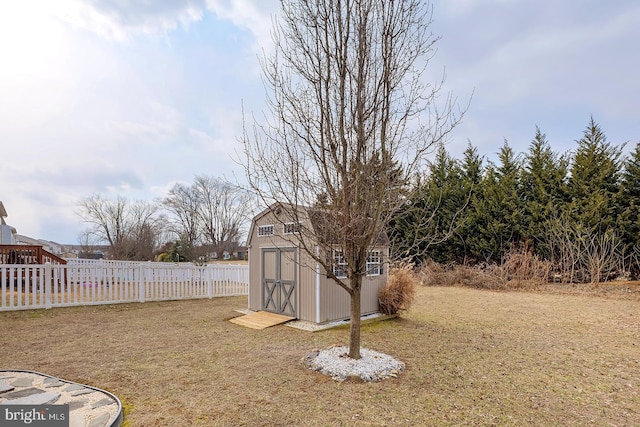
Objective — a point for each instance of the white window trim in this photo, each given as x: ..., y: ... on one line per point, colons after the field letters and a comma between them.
x: 338, y: 264
x: 374, y: 268
x: 262, y: 228
x: 296, y: 225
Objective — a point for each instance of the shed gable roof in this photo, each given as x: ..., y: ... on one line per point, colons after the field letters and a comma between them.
x: 318, y: 219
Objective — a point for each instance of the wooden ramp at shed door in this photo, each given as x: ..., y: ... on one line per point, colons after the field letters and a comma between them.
x: 260, y: 320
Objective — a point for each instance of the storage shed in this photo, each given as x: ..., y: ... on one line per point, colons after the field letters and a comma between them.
x: 285, y: 279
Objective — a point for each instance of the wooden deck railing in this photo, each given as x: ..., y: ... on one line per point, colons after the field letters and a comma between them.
x: 27, y: 254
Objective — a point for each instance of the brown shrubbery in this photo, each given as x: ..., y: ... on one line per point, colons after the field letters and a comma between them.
x: 519, y: 270
x: 481, y: 277
x: 522, y: 265
x: 400, y: 290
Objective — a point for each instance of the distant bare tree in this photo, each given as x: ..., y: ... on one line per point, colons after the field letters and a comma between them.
x: 208, y: 215
x: 353, y: 117
x: 183, y: 202
x: 223, y: 211
x: 108, y: 220
x: 87, y: 244
x: 132, y: 229
x: 148, y: 230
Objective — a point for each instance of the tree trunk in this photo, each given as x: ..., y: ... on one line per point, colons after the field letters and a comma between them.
x: 354, y: 330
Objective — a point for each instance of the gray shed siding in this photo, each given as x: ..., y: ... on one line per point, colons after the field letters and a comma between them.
x: 335, y: 303
x: 308, y: 279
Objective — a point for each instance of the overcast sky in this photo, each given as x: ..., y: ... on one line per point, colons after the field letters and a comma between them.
x: 127, y: 98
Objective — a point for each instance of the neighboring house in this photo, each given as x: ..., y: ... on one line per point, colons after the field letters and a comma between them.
x: 240, y: 253
x: 88, y: 252
x: 69, y: 254
x: 7, y: 232
x: 53, y: 247
x: 18, y: 249
x: 284, y: 279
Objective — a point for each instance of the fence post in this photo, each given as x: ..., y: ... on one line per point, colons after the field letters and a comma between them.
x: 48, y: 282
x: 141, y: 282
x: 206, y: 272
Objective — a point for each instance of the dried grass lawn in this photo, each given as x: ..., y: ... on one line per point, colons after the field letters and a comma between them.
x: 473, y: 358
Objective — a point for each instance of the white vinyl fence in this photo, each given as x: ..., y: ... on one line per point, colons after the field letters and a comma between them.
x: 90, y: 282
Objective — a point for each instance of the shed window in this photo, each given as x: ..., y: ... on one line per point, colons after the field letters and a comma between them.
x: 339, y: 264
x: 291, y: 227
x: 265, y: 230
x: 374, y: 263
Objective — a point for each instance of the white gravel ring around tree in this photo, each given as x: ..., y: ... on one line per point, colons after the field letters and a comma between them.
x: 372, y: 366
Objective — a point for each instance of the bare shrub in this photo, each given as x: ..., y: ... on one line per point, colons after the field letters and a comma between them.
x: 399, y: 292
x: 488, y: 276
x: 602, y: 255
x: 430, y: 272
x: 481, y: 276
x: 582, y: 255
x: 522, y: 269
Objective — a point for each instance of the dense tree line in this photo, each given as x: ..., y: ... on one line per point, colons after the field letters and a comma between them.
x: 579, y: 211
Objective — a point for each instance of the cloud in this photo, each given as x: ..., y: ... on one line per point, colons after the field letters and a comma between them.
x: 255, y: 16
x: 117, y: 20
x: 529, y: 57
x: 164, y: 127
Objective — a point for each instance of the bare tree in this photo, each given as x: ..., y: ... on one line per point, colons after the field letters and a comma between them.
x: 147, y: 231
x: 132, y: 229
x: 210, y: 214
x: 583, y: 255
x: 107, y: 219
x: 353, y: 117
x: 223, y: 210
x: 87, y: 244
x: 183, y: 203
x: 602, y: 255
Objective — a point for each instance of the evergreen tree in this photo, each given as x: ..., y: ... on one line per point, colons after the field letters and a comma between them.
x: 498, y: 211
x: 494, y: 214
x: 544, y: 192
x: 629, y: 218
x: 472, y: 169
x: 448, y: 200
x: 539, y: 199
x: 404, y: 231
x: 425, y: 227
x: 595, y: 175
